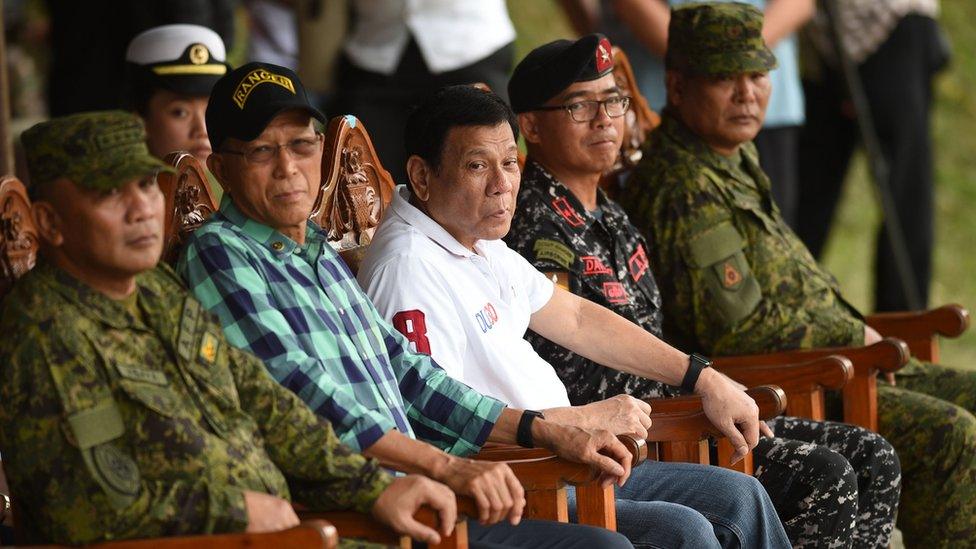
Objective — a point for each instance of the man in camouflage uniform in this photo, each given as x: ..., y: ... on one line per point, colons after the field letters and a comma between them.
x: 125, y: 412
x: 570, y: 229
x: 736, y: 280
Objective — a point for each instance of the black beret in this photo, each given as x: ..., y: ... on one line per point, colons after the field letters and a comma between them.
x: 549, y: 69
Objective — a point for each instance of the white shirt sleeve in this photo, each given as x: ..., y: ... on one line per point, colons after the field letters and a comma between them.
x: 538, y: 286
x: 413, y: 295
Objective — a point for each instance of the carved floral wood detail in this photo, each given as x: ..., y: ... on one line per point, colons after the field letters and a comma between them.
x: 355, y: 188
x: 18, y: 237
x: 640, y: 119
x: 189, y: 201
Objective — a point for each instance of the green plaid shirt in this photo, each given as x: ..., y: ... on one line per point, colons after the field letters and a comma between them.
x: 300, y: 309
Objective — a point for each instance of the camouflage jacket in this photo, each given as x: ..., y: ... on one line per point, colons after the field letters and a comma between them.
x: 116, y: 424
x: 735, y: 278
x: 601, y: 258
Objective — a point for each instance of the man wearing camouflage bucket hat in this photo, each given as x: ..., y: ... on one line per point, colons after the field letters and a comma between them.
x: 125, y: 412
x: 603, y: 258
x: 736, y: 280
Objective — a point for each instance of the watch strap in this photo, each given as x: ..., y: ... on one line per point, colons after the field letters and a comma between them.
x: 696, y: 363
x: 523, y: 436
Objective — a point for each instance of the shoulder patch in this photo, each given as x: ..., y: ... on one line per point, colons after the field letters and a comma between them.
x: 714, y: 245
x: 559, y: 278
x: 556, y: 252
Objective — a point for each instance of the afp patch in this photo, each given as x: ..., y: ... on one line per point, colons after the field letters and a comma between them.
x: 208, y: 348
x: 731, y: 277
x: 566, y: 210
x: 556, y: 252
x: 604, y: 56
x: 117, y: 469
x: 615, y: 293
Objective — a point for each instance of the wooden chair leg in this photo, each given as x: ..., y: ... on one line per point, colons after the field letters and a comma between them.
x: 725, y: 452
x: 595, y: 506
x: 547, y: 504
x: 861, y: 401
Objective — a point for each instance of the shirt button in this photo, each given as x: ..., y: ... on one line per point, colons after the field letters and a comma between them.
x: 277, y: 246
x: 342, y: 311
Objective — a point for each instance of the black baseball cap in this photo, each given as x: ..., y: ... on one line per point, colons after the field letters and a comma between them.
x: 244, y: 101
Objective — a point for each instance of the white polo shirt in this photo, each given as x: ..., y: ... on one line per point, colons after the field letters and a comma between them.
x: 468, y: 310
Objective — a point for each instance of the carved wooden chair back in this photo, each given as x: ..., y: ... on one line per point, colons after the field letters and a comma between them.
x: 188, y: 198
x: 18, y: 236
x: 355, y: 191
x: 640, y: 120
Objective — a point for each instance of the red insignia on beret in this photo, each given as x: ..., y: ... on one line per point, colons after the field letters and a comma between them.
x: 604, y: 55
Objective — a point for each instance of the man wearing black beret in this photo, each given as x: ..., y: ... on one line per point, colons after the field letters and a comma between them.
x: 571, y: 114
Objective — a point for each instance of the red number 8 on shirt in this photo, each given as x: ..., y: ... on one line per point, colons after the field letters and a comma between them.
x: 413, y: 326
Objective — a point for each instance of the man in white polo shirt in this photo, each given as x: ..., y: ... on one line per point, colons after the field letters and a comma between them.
x: 437, y: 269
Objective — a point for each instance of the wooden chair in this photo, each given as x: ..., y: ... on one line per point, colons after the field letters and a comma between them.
x: 18, y: 238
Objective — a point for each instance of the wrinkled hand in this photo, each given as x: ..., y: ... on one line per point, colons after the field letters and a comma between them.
x: 492, y: 484
x: 597, y: 448
x: 621, y: 415
x: 397, y: 505
x: 731, y: 411
x: 267, y: 513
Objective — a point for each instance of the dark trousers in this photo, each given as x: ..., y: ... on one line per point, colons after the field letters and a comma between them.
x: 898, y: 83
x: 383, y: 102
x: 778, y: 148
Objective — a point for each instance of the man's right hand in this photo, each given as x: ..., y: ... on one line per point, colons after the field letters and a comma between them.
x: 493, y: 485
x: 621, y: 415
x: 267, y: 513
x: 397, y: 505
x: 597, y: 448
x: 731, y: 411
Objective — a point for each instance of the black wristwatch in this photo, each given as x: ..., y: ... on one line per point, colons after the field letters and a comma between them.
x: 696, y: 363
x: 523, y: 436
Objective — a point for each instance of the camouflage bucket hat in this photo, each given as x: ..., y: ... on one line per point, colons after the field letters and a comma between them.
x: 97, y: 150
x: 717, y: 38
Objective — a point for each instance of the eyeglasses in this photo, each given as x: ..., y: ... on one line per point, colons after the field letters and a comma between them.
x: 585, y: 111
x: 303, y: 147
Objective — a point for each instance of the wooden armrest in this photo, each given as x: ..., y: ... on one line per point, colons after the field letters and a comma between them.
x: 830, y: 372
x: 683, y: 419
x: 351, y: 524
x: 920, y: 329
x: 887, y: 355
x: 310, y: 534
x: 508, y: 452
x: 947, y: 320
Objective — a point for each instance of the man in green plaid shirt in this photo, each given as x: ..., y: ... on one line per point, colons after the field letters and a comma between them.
x: 281, y: 292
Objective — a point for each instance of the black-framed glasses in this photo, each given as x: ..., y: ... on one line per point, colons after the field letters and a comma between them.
x: 585, y: 111
x: 302, y: 147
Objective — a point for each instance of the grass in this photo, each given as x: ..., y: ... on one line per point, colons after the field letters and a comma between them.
x: 849, y: 250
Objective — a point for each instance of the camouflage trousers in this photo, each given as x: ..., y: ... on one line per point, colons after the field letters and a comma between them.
x: 834, y: 485
x: 928, y: 417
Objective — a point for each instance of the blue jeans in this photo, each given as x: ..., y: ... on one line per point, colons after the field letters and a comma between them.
x: 684, y: 505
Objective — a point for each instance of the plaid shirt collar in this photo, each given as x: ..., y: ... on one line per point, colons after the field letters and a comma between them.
x: 277, y: 244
